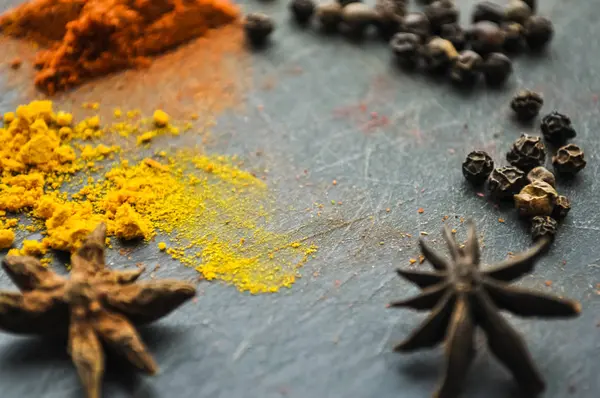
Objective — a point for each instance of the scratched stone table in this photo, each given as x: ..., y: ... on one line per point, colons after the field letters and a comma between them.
x: 392, y: 140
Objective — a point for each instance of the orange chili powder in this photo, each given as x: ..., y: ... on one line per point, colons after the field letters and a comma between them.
x: 90, y: 38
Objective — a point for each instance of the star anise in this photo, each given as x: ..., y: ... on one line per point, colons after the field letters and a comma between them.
x: 95, y: 305
x: 462, y: 297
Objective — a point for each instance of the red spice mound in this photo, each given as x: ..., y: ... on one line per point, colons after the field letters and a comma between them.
x: 90, y: 38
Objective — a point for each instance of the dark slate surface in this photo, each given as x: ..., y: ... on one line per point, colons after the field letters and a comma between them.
x: 331, y: 335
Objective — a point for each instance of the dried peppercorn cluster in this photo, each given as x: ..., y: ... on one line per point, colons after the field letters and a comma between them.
x: 526, y: 181
x: 432, y: 39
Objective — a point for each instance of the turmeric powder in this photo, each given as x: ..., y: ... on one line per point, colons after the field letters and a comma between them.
x: 91, y: 38
x: 215, y: 216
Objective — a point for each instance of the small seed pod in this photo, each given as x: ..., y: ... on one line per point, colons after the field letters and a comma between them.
x: 488, y: 11
x: 541, y: 174
x: 389, y: 17
x: 477, y: 167
x: 439, y: 54
x: 505, y: 182
x: 406, y: 48
x: 557, y: 128
x: 485, y: 37
x: 441, y: 12
x: 302, y: 10
x: 513, y: 36
x: 538, y: 32
x: 517, y: 11
x: 569, y: 160
x: 527, y: 104
x: 467, y: 68
x: 562, y: 207
x: 497, y: 67
x: 543, y: 227
x: 356, y: 17
x: 417, y: 23
x: 527, y: 152
x: 536, y: 199
x: 330, y: 16
x: 258, y: 28
x: 455, y: 34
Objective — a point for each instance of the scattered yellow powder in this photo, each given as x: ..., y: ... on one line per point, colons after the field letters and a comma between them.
x: 30, y: 248
x: 8, y: 117
x: 7, y: 238
x: 64, y: 119
x: 66, y: 180
x: 128, y: 224
x: 161, y: 119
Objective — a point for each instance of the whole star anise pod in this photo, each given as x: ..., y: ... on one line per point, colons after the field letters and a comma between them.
x: 462, y: 297
x: 96, y: 305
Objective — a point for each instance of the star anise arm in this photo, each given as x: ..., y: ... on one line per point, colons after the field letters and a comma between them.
x: 89, y: 258
x: 146, y: 302
x: 435, y: 259
x: 35, y: 312
x: 122, y: 277
x: 472, y: 245
x: 428, y: 298
x: 118, y: 333
x: 459, y: 349
x: 28, y: 273
x: 422, y: 279
x: 433, y: 329
x: 525, y: 303
x: 451, y: 242
x: 86, y: 351
x: 506, y: 344
x: 515, y: 267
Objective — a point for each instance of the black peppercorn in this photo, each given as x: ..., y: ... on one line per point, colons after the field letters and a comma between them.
x: 562, y: 207
x: 438, y: 55
x: 467, y: 68
x: 258, y: 28
x: 302, y: 10
x: 536, y: 199
x: 455, y: 34
x: 496, y: 69
x: 329, y: 16
x: 513, y: 36
x: 389, y: 17
x: 527, y: 152
x: 557, y: 128
x: 356, y: 17
x: 543, y: 227
x: 532, y: 4
x: 541, y: 174
x: 344, y: 3
x: 477, y: 167
x: 505, y: 182
x: 527, y: 104
x: 488, y: 11
x: 485, y: 37
x: 417, y: 23
x: 441, y: 12
x: 406, y: 48
x: 538, y: 32
x: 569, y: 159
x: 517, y: 11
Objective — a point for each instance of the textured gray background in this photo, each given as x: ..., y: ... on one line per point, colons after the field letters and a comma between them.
x: 331, y: 335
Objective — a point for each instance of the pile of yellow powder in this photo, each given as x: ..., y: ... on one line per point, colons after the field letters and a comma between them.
x: 62, y: 178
